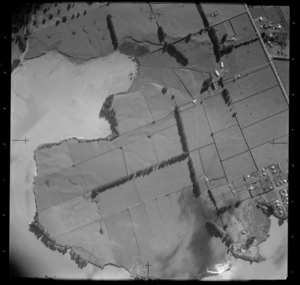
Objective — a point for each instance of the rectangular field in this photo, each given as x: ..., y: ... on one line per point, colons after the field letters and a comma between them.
x: 135, y: 105
x: 163, y: 181
x: 68, y: 216
x: 251, y: 84
x: 238, y: 166
x: 244, y: 58
x: 267, y: 130
x: 196, y: 127
x: 123, y: 240
x: 260, y: 106
x: 103, y: 169
x: 94, y: 239
x: 118, y: 199
x: 59, y: 188
x: 212, y: 166
x: 167, y: 143
x: 218, y: 114
x: 268, y: 153
x: 139, y: 155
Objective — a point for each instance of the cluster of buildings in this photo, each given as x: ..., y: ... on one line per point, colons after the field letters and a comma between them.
x: 271, y: 184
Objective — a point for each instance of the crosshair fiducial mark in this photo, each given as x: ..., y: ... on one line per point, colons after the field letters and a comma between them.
x: 23, y: 140
x: 148, y: 265
x: 273, y: 142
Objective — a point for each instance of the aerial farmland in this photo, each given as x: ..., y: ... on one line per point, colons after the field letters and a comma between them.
x: 163, y: 151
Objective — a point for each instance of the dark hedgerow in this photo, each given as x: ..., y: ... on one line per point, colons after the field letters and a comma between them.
x: 213, y: 35
x: 173, y: 52
x: 142, y: 172
x: 193, y: 177
x: 181, y: 132
x: 246, y: 42
x: 112, y: 32
x: 210, y: 195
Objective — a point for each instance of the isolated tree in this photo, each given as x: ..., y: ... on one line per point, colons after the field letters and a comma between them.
x: 84, y: 13
x: 72, y: 17
x: 43, y: 21
x: 64, y: 19
x: 57, y: 23
x: 78, y: 14
x: 68, y: 7
x: 50, y: 16
x: 45, y: 10
x: 58, y: 11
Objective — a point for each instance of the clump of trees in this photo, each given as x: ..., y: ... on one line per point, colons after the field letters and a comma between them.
x: 21, y: 43
x: 15, y: 64
x: 226, y: 97
x: 112, y: 32
x: 181, y: 132
x: 206, y: 84
x: 161, y: 34
x: 108, y: 113
x: 81, y: 262
x: 39, y: 231
x: 188, y: 38
x: 249, y: 242
x: 220, y: 82
x: 224, y: 38
x: 213, y: 230
x: 237, y: 204
x: 179, y: 56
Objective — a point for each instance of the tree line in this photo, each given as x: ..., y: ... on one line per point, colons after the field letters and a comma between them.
x: 139, y: 173
x: 112, y: 32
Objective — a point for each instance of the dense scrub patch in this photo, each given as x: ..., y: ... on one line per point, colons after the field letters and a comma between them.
x: 110, y: 114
